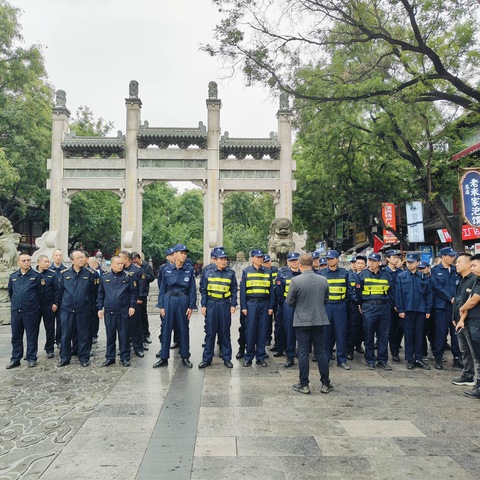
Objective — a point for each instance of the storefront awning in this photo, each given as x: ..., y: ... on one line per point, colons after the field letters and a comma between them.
x: 467, y: 151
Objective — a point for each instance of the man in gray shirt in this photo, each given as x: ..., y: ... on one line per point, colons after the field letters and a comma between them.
x: 308, y: 294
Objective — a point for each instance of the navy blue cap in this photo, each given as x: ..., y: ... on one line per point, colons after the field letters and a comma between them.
x: 375, y: 257
x: 332, y: 254
x: 293, y: 256
x: 180, y: 247
x: 315, y: 254
x: 219, y: 252
x: 448, y: 251
x: 323, y: 261
x: 266, y: 258
x: 256, y: 252
x: 423, y: 265
x: 412, y: 257
x: 354, y: 259
x: 390, y: 253
x: 169, y: 251
x: 362, y: 257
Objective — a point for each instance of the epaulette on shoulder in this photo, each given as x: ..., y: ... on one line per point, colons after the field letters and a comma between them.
x: 64, y: 270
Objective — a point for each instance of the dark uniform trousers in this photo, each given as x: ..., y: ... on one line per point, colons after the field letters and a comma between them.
x: 397, y: 328
x: 49, y: 322
x: 218, y: 322
x: 354, y: 327
x: 76, y: 323
x: 290, y: 337
x: 29, y: 322
x: 306, y: 336
x: 414, y: 331
x: 256, y: 326
x: 376, y: 320
x: 336, y: 332
x: 279, y: 329
x: 135, y: 331
x: 443, y: 325
x: 117, y: 321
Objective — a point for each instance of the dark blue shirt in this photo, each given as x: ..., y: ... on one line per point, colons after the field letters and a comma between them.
x: 52, y: 294
x: 178, y: 281
x: 374, y: 286
x: 77, y: 289
x: 339, y: 287
x: 413, y: 292
x: 217, y: 285
x: 139, y: 280
x: 116, y: 292
x: 444, y: 284
x: 25, y: 290
x: 257, y: 284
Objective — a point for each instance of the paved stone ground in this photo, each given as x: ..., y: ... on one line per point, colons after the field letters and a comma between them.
x: 174, y: 423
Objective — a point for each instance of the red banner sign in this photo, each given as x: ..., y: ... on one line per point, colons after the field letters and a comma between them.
x: 468, y: 233
x: 388, y: 215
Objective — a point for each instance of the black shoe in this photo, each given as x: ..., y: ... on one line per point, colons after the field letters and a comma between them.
x: 32, y: 363
x: 465, y: 381
x: 301, y: 388
x: 204, y: 364
x: 85, y: 364
x: 12, y: 365
x: 289, y: 363
x: 163, y: 362
x: 75, y: 353
x: 273, y: 349
x: 240, y: 354
x: 139, y: 354
x: 174, y: 345
x: 158, y: 354
x: 62, y: 363
x: 187, y: 363
x: 332, y: 356
x: 145, y: 346
x: 410, y: 365
x: 349, y: 356
x: 247, y: 363
x: 447, y: 346
x: 474, y: 393
x: 395, y: 358
x: 228, y: 364
x: 345, y: 366
x: 108, y: 362
x: 125, y: 363
x: 278, y: 354
x: 326, y: 388
x: 457, y: 363
x: 94, y: 340
x: 50, y: 355
x: 370, y: 366
x: 384, y: 365
x: 148, y: 340
x: 422, y: 364
x: 438, y: 364
x: 262, y: 363
x: 220, y: 355
x: 360, y: 350
x: 314, y: 358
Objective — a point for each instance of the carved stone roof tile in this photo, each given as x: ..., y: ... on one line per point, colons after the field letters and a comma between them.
x: 92, y: 146
x: 163, y: 137
x: 257, y: 147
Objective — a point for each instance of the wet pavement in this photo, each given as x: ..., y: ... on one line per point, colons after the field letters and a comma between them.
x: 141, y: 423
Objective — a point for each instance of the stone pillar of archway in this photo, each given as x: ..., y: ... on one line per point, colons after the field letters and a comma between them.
x: 211, y: 230
x: 139, y: 229
x: 222, y: 197
x: 283, y: 208
x: 131, y: 234
x: 59, y: 204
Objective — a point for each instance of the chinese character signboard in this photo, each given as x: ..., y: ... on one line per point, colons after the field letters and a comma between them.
x: 415, y: 222
x: 470, y: 190
x: 388, y: 215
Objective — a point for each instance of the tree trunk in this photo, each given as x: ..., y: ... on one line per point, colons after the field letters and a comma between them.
x: 451, y: 222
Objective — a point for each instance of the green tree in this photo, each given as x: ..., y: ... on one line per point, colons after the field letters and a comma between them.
x: 25, y: 121
x: 85, y: 124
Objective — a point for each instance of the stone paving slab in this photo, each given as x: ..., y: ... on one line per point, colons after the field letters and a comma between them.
x: 116, y: 422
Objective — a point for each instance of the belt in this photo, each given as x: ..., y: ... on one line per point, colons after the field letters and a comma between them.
x: 177, y: 294
x: 226, y: 300
x: 257, y: 299
x: 375, y: 302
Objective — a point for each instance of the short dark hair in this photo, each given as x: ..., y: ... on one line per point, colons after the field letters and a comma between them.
x: 136, y: 255
x: 465, y: 254
x: 126, y: 253
x: 306, y: 260
x: 475, y: 257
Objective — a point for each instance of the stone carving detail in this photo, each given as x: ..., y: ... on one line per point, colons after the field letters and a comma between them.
x: 280, y: 240
x: 300, y: 241
x: 212, y: 90
x: 61, y: 98
x: 284, y: 101
x: 8, y: 245
x: 133, y: 89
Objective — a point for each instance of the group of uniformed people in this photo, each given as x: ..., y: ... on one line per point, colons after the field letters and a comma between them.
x: 71, y: 300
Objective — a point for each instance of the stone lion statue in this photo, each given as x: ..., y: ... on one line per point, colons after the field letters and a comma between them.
x: 8, y: 245
x: 280, y: 240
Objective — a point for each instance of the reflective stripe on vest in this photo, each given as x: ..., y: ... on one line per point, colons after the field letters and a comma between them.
x: 337, y: 288
x: 215, y: 288
x: 257, y: 283
x: 287, y: 286
x: 375, y: 286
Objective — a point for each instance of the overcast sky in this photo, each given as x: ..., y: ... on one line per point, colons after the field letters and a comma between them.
x: 93, y: 48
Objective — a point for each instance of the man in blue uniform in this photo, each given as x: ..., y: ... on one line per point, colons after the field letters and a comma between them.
x: 396, y: 325
x: 77, y: 287
x: 147, y: 272
x: 99, y: 271
x: 354, y: 318
x: 322, y: 264
x: 283, y: 285
x: 444, y: 283
x: 177, y: 300
x: 375, y: 299
x: 267, y: 263
x: 413, y: 299
x: 25, y: 289
x: 58, y: 267
x: 116, y: 302
x: 138, y: 277
x: 257, y: 300
x: 339, y: 290
x: 49, y: 302
x: 218, y: 288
